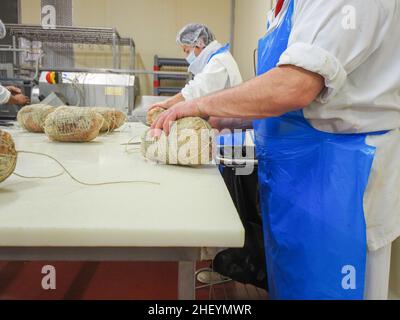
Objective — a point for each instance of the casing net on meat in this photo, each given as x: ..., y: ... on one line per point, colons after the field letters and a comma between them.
x: 33, y: 117
x: 8, y: 155
x: 113, y: 118
x: 153, y: 114
x: 73, y: 124
x: 190, y: 143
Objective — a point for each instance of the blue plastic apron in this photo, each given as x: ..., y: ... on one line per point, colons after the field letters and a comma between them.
x: 312, y: 187
x: 224, y: 49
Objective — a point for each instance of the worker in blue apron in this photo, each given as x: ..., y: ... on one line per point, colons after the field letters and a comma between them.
x: 328, y: 171
x: 313, y: 210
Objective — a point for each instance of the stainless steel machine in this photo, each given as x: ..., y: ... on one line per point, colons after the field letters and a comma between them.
x: 89, y: 89
x: 37, y: 56
x: 37, y: 59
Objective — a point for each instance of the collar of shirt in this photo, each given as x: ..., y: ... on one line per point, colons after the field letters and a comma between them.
x: 201, y: 61
x: 278, y: 7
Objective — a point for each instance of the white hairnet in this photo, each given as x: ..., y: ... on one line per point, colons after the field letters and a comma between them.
x: 2, y: 30
x: 195, y: 34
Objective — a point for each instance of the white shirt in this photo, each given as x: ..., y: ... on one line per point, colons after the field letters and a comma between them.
x: 361, y: 68
x: 354, y: 45
x: 221, y: 72
x: 4, y: 95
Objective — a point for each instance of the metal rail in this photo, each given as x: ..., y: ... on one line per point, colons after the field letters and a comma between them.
x: 75, y: 35
x: 114, y: 71
x: 84, y: 35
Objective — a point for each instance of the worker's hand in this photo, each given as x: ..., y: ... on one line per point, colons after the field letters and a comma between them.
x: 162, y: 105
x: 14, y: 90
x: 179, y: 111
x: 153, y: 114
x: 221, y: 124
x: 19, y: 99
x: 217, y: 123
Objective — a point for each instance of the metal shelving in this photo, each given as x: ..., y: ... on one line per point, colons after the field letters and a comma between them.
x: 160, y: 63
x: 75, y: 35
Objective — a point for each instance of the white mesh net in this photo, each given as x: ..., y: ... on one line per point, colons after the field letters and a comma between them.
x: 153, y: 114
x: 113, y: 119
x: 32, y: 117
x: 8, y: 155
x: 73, y: 124
x: 190, y: 143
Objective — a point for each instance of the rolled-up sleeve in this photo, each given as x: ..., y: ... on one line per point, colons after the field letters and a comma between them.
x: 333, y: 38
x: 4, y: 95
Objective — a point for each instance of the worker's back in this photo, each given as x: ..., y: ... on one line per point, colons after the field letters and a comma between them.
x: 226, y: 59
x: 363, y: 50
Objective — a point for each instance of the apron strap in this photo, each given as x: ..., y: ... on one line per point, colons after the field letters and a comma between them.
x: 221, y: 50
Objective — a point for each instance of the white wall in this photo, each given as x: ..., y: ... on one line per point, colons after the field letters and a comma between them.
x: 153, y: 25
x: 251, y: 21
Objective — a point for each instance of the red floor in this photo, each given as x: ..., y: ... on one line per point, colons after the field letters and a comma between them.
x: 98, y: 281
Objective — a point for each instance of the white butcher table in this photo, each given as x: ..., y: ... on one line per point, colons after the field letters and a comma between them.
x: 60, y: 220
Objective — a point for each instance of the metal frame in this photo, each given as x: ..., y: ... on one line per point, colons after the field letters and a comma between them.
x: 168, y: 62
x: 75, y: 35
x: 116, y: 71
x: 186, y: 257
x: 110, y: 71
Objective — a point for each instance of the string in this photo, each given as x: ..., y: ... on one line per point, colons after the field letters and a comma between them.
x: 82, y: 182
x: 49, y: 177
x: 133, y: 150
x: 111, y: 119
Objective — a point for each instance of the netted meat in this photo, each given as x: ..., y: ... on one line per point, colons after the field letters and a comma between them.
x: 73, y: 124
x: 32, y: 117
x: 189, y: 144
x: 113, y: 119
x: 8, y: 155
x: 153, y: 114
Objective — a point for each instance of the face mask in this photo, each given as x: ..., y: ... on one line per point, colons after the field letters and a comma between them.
x: 191, y: 57
x: 2, y: 30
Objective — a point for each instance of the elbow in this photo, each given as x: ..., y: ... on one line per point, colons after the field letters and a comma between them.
x: 290, y: 102
x: 305, y: 98
x: 296, y: 100
x: 289, y: 88
x: 297, y: 92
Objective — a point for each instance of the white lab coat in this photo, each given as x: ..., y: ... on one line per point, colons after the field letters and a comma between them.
x: 359, y: 60
x: 221, y: 72
x: 4, y: 95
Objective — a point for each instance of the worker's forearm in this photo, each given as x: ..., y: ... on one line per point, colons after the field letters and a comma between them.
x: 275, y: 93
x: 12, y: 100
x: 230, y: 123
x: 174, y: 100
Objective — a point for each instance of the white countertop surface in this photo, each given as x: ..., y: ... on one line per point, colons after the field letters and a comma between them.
x: 190, y: 208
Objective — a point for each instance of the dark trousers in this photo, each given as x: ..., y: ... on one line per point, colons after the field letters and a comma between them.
x: 246, y: 265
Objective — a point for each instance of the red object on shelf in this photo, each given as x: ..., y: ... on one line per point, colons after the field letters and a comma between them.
x: 156, y: 68
x: 156, y: 84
